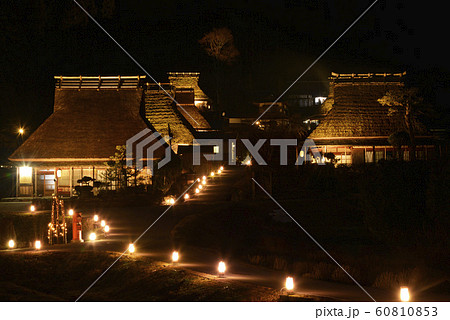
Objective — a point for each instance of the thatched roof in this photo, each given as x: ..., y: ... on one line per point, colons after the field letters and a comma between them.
x: 191, y: 113
x: 356, y: 113
x: 188, y: 80
x: 86, y: 125
x: 160, y: 112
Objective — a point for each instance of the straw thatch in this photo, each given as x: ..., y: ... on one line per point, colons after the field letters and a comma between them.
x: 160, y: 112
x: 86, y: 125
x: 356, y: 113
x: 188, y: 80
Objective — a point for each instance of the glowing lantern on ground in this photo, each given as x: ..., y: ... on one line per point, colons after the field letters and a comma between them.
x: 106, y: 228
x: 204, y: 178
x: 32, y: 208
x: 222, y: 268
x: 404, y: 294
x: 200, y: 187
x: 219, y: 171
x: 96, y: 218
x: 204, y: 182
x: 197, y: 190
x: 70, y: 212
x: 37, y: 244
x: 92, y: 236
x: 11, y: 244
x: 103, y: 223
x: 175, y: 256
x: 289, y: 283
x: 131, y: 248
x: 221, y: 168
x: 248, y: 162
x: 172, y: 201
x: 212, y: 173
x: 198, y: 179
x: 186, y: 196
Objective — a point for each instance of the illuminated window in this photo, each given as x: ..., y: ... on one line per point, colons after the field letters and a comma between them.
x: 25, y: 175
x: 216, y: 149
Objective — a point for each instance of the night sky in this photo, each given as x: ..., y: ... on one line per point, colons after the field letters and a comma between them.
x: 277, y: 41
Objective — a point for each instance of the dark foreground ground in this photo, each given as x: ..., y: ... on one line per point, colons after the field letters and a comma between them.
x: 63, y: 276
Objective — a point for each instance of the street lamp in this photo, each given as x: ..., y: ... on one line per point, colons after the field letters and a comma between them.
x: 21, y: 131
x: 404, y: 294
x: 37, y: 244
x: 96, y: 218
x: 70, y: 212
x: 222, y: 268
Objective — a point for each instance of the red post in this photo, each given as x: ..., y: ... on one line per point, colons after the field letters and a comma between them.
x: 77, y: 227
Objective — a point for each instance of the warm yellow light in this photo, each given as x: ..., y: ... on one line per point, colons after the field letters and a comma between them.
x: 249, y: 162
x: 404, y: 294
x: 70, y: 212
x: 212, y: 173
x: 131, y: 248
x: 106, y: 228
x: 219, y: 171
x: 289, y: 283
x: 222, y: 267
x: 198, y: 179
x: 200, y: 187
x: 32, y: 208
x: 21, y: 131
x: 172, y: 201
x: 175, y: 256
x: 204, y: 178
x: 37, y: 244
x: 204, y: 182
x: 26, y: 175
x: 92, y: 236
x: 96, y: 218
x: 11, y: 244
x: 186, y: 196
x: 221, y: 168
x: 103, y: 223
x: 197, y: 190
x: 58, y: 173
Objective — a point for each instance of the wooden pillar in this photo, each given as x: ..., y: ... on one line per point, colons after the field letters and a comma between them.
x: 17, y: 181
x: 71, y: 181
x: 35, y: 182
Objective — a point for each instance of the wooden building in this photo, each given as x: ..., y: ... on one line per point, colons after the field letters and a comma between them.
x: 356, y: 127
x: 91, y: 116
